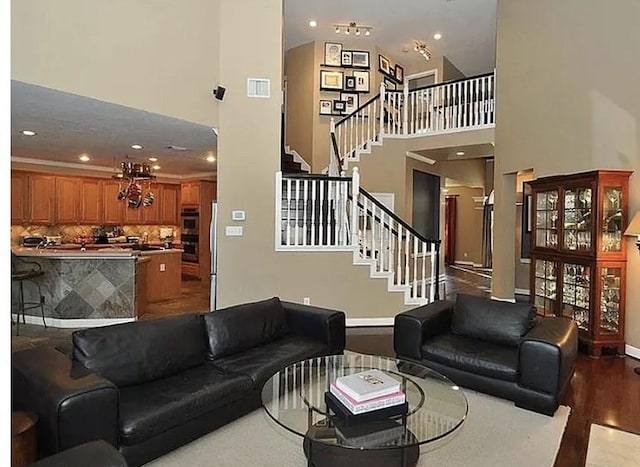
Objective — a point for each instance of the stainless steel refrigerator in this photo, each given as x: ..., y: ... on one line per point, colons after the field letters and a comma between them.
x: 213, y: 242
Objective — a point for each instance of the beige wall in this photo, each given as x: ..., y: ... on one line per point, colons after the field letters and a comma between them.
x: 468, y: 224
x: 560, y: 111
x: 450, y: 71
x: 158, y: 56
x: 300, y: 70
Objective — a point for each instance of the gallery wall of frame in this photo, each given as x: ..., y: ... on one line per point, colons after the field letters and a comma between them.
x: 347, y: 73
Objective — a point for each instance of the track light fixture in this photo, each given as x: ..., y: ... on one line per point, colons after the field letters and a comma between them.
x: 357, y: 29
x: 422, y: 49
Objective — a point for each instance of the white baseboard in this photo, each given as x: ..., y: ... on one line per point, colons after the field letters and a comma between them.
x: 522, y: 291
x: 632, y: 351
x: 511, y: 300
x: 354, y: 322
x: 73, y: 323
x: 464, y: 263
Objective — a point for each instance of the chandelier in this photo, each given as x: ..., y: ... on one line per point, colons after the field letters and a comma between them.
x: 422, y: 49
x: 357, y: 29
x: 133, y: 176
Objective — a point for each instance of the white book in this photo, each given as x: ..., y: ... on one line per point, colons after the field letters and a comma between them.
x: 367, y: 385
x: 356, y: 408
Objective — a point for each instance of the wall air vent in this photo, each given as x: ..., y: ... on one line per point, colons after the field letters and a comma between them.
x: 258, y: 87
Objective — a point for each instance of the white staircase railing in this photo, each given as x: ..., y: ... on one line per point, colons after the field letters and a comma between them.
x: 440, y: 108
x: 318, y: 213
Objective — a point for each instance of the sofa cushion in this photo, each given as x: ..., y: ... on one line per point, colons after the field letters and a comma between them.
x: 262, y: 362
x: 492, y: 320
x: 152, y: 408
x: 142, y: 351
x: 242, y: 327
x: 473, y: 355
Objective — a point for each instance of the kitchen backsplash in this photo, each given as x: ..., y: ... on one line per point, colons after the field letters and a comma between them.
x: 69, y: 232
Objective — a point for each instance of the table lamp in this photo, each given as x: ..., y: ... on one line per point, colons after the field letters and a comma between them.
x: 633, y: 230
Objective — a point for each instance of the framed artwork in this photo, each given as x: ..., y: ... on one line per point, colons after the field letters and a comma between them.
x: 384, y: 65
x: 399, y: 74
x: 389, y: 85
x: 392, y: 72
x: 339, y: 106
x: 333, y: 54
x: 350, y: 83
x: 346, y: 58
x: 331, y: 80
x: 325, y: 107
x: 351, y: 102
x: 362, y: 81
x: 360, y: 59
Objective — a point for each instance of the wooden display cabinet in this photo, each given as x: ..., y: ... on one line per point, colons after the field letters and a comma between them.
x: 578, y: 254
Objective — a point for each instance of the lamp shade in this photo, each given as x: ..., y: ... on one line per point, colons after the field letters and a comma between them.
x: 634, y: 227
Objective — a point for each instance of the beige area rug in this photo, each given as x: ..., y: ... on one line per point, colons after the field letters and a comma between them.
x: 495, y: 434
x: 609, y: 447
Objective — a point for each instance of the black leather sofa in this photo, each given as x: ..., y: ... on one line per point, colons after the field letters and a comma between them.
x: 495, y: 347
x: 93, y: 453
x: 148, y: 387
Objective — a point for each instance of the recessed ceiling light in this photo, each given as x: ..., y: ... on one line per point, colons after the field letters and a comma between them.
x: 84, y: 158
x: 437, y: 36
x: 136, y: 146
x: 153, y: 159
x: 460, y: 153
x: 156, y: 167
x: 28, y: 132
x: 313, y: 23
x: 211, y: 159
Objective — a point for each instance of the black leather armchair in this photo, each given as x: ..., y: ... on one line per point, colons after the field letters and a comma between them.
x: 494, y: 347
x: 149, y: 387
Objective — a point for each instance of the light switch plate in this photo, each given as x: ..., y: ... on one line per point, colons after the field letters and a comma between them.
x: 238, y: 215
x: 234, y: 231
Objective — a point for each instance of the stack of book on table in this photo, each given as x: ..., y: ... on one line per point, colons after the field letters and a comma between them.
x: 368, y: 395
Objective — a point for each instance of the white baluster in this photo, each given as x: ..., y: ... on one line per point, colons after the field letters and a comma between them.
x: 336, y: 215
x: 405, y: 110
x: 355, y: 195
x: 414, y: 285
x: 483, y: 107
x: 297, y: 199
x: 321, y: 217
x: 434, y: 280
x: 288, y: 212
x: 305, y: 221
x: 373, y: 233
x: 399, y: 253
x: 382, y: 99
x: 314, y: 219
x: 278, y: 209
x: 459, y: 104
x: 475, y: 102
x: 406, y: 259
x: 390, y: 245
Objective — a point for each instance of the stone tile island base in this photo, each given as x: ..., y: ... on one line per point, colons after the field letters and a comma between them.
x: 80, y: 290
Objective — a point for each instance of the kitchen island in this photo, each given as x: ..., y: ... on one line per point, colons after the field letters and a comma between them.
x: 105, y: 285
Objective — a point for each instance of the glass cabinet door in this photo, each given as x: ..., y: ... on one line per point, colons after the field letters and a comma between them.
x: 545, y: 287
x: 547, y: 219
x: 576, y: 283
x: 577, y: 219
x: 612, y: 219
x: 610, y: 300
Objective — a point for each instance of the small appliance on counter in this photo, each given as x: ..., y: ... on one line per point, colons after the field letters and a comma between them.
x: 32, y: 240
x: 133, y: 239
x: 53, y: 239
x: 106, y: 234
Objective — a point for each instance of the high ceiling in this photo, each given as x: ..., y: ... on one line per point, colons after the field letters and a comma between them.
x: 68, y: 125
x: 468, y: 27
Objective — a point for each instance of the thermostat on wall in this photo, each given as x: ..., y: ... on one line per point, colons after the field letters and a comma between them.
x: 237, y: 215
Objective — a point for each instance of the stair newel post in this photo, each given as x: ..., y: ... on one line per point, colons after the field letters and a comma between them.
x: 278, y: 226
x: 405, y: 110
x: 355, y: 193
x: 382, y: 107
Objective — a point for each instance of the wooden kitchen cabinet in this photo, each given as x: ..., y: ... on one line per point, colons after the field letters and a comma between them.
x: 19, y: 197
x: 169, y: 199
x: 190, y: 193
x: 112, y: 207
x: 41, y: 205
x: 151, y: 214
x: 90, y: 201
x: 67, y: 200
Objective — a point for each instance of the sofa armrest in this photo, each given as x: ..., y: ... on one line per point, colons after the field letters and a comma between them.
x: 548, y: 354
x: 413, y: 327
x: 317, y: 323
x: 73, y: 404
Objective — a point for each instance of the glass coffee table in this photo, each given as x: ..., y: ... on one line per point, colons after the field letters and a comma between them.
x: 294, y: 398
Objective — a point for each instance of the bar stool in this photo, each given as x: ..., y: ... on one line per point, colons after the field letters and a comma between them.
x: 31, y: 271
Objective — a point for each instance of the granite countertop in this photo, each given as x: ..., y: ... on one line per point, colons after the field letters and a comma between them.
x: 104, y: 251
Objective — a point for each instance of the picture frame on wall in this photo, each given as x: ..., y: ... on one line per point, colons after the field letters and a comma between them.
x: 339, y: 106
x: 399, y: 74
x: 333, y: 54
x: 331, y: 80
x: 389, y: 85
x: 351, y: 101
x: 360, y: 59
x: 361, y: 81
x: 346, y: 58
x: 384, y: 64
x: 326, y: 107
x: 349, y: 83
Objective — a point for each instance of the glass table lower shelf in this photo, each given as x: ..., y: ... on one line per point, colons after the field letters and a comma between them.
x: 295, y: 399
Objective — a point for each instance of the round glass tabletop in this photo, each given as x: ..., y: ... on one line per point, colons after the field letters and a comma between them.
x: 295, y: 399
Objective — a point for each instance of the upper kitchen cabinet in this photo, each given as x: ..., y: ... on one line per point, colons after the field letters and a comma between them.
x: 19, y: 197
x: 169, y: 204
x: 67, y: 200
x: 151, y: 214
x: 41, y: 206
x: 90, y: 201
x: 112, y: 207
x: 190, y: 193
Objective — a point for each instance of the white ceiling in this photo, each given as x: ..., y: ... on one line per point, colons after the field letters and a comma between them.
x: 468, y: 27
x: 69, y: 125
